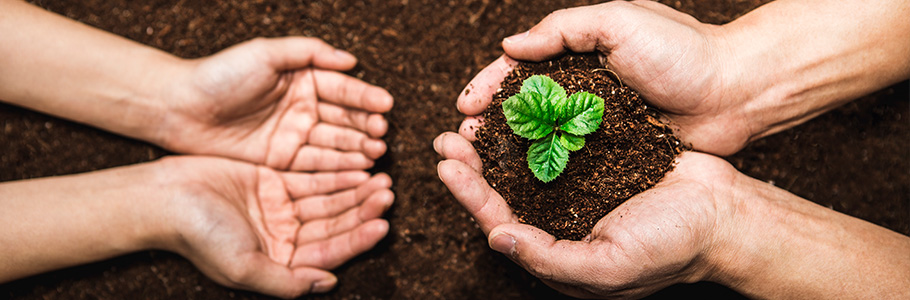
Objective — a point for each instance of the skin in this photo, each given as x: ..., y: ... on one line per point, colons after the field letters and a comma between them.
x: 712, y: 81
x: 280, y: 196
x: 705, y: 220
x: 277, y: 102
x: 210, y: 210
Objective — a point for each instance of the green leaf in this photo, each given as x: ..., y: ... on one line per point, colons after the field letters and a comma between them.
x: 542, y: 112
x: 529, y: 115
x: 581, y: 114
x: 546, y: 87
x: 571, y: 141
x: 547, y: 158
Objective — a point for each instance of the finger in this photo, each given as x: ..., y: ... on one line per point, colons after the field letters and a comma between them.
x: 256, y: 272
x: 300, y: 185
x: 375, y: 125
x: 469, y: 126
x: 326, y: 206
x: 477, y: 95
x: 545, y: 257
x: 569, y: 29
x: 330, y: 253
x: 473, y: 192
x: 313, y: 158
x: 372, y: 208
x: 289, y: 53
x: 348, y: 91
x: 453, y: 146
x: 345, y: 139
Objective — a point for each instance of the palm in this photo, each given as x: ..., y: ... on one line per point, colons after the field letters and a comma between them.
x: 237, y: 216
x: 640, y: 247
x: 247, y: 107
x: 667, y: 227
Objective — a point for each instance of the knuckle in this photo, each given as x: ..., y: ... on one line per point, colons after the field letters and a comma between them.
x: 538, y: 270
x: 238, y: 275
x: 316, y: 42
x: 259, y: 42
x: 557, y: 15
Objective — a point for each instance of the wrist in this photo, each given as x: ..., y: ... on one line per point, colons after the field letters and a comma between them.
x: 738, y: 253
x: 147, y: 186
x: 165, y: 182
x: 790, y: 61
x: 772, y: 244
x: 164, y: 91
x: 760, y: 71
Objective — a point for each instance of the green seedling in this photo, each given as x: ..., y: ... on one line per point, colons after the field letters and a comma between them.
x: 541, y: 112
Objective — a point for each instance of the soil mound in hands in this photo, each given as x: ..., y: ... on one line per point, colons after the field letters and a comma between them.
x: 628, y: 154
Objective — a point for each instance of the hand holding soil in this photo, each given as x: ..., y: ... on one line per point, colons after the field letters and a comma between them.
x: 665, y: 55
x: 657, y: 238
x: 716, y: 84
x: 704, y: 220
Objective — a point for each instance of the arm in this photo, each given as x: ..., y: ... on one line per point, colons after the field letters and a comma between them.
x: 724, y: 86
x: 783, y: 246
x: 703, y: 222
x: 799, y: 59
x: 277, y: 102
x: 62, y: 67
x: 245, y: 226
x: 57, y: 222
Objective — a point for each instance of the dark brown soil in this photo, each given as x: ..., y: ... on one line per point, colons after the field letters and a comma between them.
x: 853, y: 159
x: 629, y: 153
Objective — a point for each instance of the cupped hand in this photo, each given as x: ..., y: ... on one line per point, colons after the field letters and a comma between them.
x: 279, y: 102
x: 660, y: 237
x: 254, y: 228
x: 673, y: 60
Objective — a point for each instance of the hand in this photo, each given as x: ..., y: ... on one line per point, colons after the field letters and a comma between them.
x: 673, y: 60
x: 657, y: 238
x: 254, y: 228
x: 280, y: 103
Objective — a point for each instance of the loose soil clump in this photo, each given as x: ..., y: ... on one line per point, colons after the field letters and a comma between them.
x: 628, y: 154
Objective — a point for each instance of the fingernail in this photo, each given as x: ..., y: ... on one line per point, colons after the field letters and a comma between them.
x: 438, y: 172
x: 344, y: 54
x: 503, y: 243
x: 324, y: 285
x: 517, y: 38
x: 436, y: 143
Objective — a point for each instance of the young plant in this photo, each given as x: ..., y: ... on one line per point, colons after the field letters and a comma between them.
x: 557, y: 124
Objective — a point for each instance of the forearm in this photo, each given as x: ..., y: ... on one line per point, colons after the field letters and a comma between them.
x: 65, y: 68
x: 780, y: 246
x: 798, y: 59
x: 57, y: 222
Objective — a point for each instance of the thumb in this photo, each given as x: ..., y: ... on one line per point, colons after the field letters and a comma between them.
x: 586, y: 29
x: 579, y: 29
x: 290, y: 53
x: 542, y: 255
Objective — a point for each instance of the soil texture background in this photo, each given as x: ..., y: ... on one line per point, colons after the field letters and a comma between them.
x: 853, y: 159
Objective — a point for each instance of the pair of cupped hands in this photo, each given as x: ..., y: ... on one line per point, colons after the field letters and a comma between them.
x: 274, y: 191
x: 669, y: 234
